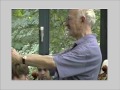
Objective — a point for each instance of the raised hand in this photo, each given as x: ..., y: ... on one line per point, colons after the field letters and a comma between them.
x: 16, y: 57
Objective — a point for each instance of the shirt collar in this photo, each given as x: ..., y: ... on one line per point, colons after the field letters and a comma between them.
x: 86, y: 37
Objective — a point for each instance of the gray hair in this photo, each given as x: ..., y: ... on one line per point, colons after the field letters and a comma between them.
x: 88, y: 14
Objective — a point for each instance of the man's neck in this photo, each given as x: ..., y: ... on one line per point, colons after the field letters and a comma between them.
x: 85, y: 32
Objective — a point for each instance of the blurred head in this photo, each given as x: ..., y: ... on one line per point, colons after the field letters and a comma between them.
x: 43, y: 74
x: 19, y: 71
x: 104, y: 67
x: 80, y: 21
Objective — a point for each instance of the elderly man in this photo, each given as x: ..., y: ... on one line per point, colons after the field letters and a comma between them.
x: 80, y: 62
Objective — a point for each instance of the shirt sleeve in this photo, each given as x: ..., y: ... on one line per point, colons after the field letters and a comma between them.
x: 71, y: 63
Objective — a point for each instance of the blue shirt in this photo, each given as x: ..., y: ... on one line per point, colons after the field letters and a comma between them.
x: 81, y: 62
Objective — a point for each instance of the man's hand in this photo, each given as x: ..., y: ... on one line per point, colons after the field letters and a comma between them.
x: 16, y: 57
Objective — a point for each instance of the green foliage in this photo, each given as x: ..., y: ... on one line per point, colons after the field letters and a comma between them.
x: 96, y: 28
x: 25, y: 30
x: 58, y: 38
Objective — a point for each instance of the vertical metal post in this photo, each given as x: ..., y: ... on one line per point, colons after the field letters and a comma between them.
x: 43, y: 31
x: 103, y: 33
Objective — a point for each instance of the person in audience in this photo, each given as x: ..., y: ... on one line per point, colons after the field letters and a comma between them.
x: 42, y: 74
x: 104, y: 71
x: 19, y: 71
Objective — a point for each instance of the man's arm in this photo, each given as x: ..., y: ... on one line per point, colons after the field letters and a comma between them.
x: 34, y: 60
x: 40, y: 61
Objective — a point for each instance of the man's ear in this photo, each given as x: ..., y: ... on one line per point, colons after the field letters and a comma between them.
x: 82, y: 19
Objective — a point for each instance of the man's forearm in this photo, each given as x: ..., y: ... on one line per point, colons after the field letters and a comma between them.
x: 40, y: 61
